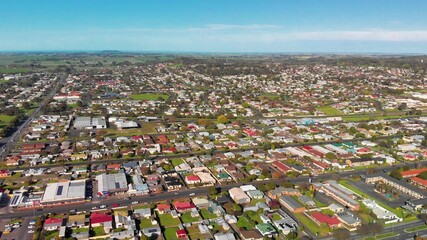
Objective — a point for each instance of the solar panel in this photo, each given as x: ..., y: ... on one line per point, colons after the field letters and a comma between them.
x: 59, y: 190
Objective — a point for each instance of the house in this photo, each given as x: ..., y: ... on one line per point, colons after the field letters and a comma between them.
x: 224, y: 236
x: 238, y: 195
x: 266, y: 230
x: 5, y: 173
x: 291, y: 204
x: 279, y: 191
x: 98, y: 219
x: 163, y: 208
x: 320, y: 218
x: 192, y: 179
x: 153, y: 231
x: 181, y: 233
x: 52, y: 224
x: 76, y: 221
x: 183, y: 206
x: 250, y: 235
x: 307, y: 201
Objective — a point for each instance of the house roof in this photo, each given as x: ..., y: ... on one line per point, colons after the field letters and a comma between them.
x: 163, y: 206
x: 183, y: 205
x: 100, y: 218
x: 53, y: 221
x: 320, y: 217
x: 413, y: 172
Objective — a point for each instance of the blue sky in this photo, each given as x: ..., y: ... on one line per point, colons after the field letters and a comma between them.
x: 383, y: 26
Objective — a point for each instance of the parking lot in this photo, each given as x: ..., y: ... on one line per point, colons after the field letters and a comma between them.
x: 17, y: 233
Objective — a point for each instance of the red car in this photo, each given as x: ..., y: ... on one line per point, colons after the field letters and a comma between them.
x: 115, y: 205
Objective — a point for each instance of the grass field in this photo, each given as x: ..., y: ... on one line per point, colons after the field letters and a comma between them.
x: 415, y: 229
x: 99, y: 231
x: 5, y: 120
x: 149, y: 96
x: 328, y: 110
x: 269, y: 96
x: 358, y: 118
x: 14, y: 70
x: 146, y: 128
x: 166, y: 220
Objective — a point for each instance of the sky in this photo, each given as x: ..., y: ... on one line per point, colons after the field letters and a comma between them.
x: 312, y: 26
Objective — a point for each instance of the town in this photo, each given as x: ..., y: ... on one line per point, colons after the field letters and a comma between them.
x: 147, y: 146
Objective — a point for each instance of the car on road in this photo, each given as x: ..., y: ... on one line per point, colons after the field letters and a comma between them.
x: 94, y: 208
x: 103, y: 206
x: 30, y: 226
x: 128, y: 198
x: 191, y: 194
x: 135, y: 202
x: 73, y: 211
x: 31, y: 231
x: 176, y: 193
x: 115, y: 205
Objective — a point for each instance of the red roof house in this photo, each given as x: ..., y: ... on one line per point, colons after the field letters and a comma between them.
x: 181, y: 233
x: 321, y: 218
x: 183, y: 206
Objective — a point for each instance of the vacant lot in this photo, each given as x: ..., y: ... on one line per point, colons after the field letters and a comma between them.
x: 330, y: 111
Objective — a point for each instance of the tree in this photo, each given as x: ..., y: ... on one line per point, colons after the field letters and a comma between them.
x: 376, y: 228
x: 396, y: 173
x: 292, y: 235
x: 330, y: 156
x: 423, y: 175
x: 222, y: 119
x: 364, y: 230
x: 213, y: 191
x: 341, y: 234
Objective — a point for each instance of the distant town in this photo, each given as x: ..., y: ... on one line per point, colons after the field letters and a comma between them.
x: 115, y: 145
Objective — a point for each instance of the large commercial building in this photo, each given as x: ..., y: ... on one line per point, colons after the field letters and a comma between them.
x: 402, y: 186
x: 340, y: 194
x: 64, y: 192
x: 111, y: 183
x: 90, y: 123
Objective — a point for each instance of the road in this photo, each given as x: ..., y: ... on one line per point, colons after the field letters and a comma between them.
x: 10, y: 141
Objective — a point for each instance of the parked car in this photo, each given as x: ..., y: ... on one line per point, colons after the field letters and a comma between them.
x: 94, y: 208
x: 191, y: 194
x: 115, y: 205
x: 31, y: 231
x: 135, y: 202
x: 103, y: 206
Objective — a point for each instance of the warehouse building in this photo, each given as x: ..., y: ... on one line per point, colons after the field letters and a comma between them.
x: 111, y: 183
x: 90, y: 123
x: 64, y: 192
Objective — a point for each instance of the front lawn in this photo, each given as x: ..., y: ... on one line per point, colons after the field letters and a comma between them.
x: 312, y: 226
x: 99, y: 231
x: 177, y: 161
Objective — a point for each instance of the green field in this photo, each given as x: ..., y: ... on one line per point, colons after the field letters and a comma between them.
x: 5, y: 120
x: 269, y: 96
x: 330, y: 111
x: 14, y: 70
x: 177, y: 161
x: 149, y: 96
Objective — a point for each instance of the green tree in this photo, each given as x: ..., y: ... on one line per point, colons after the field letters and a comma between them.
x: 396, y: 173
x: 222, y: 119
x: 341, y: 234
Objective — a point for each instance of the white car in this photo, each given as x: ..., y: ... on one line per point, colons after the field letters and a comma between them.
x: 103, y: 206
x: 31, y: 231
x: 135, y: 202
x: 30, y: 226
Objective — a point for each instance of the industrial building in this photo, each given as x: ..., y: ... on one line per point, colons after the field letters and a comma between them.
x: 64, y: 192
x: 90, y: 123
x: 111, y: 183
